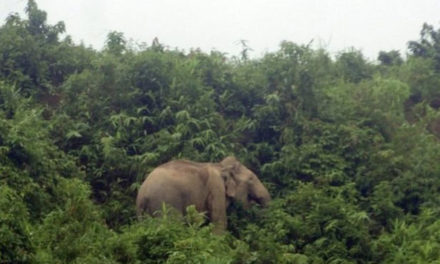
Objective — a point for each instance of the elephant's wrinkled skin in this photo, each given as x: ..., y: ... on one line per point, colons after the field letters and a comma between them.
x: 208, y: 186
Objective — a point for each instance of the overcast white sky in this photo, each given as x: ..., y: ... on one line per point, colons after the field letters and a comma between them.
x: 368, y: 25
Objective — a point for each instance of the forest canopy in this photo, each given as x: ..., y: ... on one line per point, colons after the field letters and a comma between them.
x: 348, y: 148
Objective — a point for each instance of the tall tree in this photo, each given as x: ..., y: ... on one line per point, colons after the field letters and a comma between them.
x: 428, y: 46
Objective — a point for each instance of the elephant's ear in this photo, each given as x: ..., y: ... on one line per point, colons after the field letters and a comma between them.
x: 230, y: 185
x: 230, y: 161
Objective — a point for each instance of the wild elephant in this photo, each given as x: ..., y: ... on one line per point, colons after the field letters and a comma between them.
x: 210, y: 187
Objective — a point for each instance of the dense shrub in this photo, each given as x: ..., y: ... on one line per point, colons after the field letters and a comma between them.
x: 349, y: 150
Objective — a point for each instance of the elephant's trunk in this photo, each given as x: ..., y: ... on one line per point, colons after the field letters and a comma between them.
x: 261, y: 195
x: 265, y: 199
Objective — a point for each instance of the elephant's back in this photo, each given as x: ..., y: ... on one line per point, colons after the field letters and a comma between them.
x: 183, y: 166
x: 173, y: 175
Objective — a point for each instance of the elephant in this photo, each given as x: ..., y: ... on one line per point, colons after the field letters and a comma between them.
x: 210, y: 187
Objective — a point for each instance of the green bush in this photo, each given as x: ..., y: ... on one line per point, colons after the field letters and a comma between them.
x: 348, y: 149
x: 15, y: 230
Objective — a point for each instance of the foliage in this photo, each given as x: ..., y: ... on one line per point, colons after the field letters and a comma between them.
x: 15, y: 241
x: 390, y: 58
x: 408, y: 242
x: 176, y: 240
x: 428, y: 46
x: 348, y: 148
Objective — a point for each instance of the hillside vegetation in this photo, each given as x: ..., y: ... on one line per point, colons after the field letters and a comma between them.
x: 349, y: 149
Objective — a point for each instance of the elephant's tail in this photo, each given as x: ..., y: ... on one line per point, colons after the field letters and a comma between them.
x: 141, y: 206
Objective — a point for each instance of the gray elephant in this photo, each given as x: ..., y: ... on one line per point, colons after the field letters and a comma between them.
x: 210, y: 187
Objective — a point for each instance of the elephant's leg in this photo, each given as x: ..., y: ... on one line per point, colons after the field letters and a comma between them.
x: 216, y: 201
x: 218, y: 218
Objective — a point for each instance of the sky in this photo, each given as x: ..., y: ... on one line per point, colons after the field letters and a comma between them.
x: 336, y: 25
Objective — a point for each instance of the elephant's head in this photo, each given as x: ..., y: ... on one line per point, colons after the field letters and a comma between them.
x: 242, y: 184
